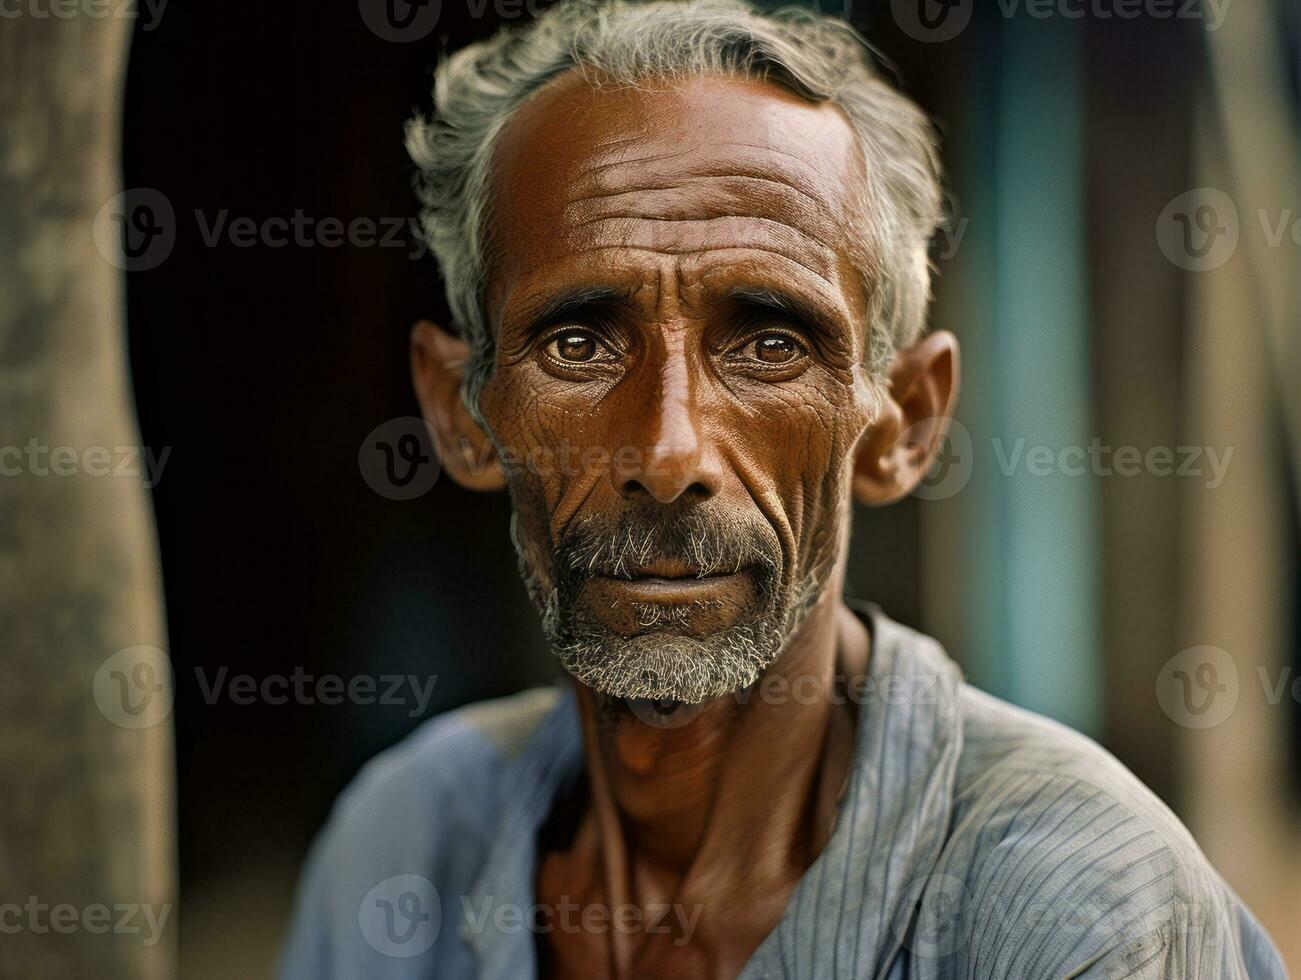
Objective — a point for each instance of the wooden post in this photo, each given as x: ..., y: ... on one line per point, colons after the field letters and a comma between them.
x: 86, y: 790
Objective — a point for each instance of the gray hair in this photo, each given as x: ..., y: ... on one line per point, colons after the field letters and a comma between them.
x: 478, y: 89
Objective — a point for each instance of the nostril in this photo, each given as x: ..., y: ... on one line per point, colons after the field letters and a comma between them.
x: 666, y: 494
x: 632, y: 488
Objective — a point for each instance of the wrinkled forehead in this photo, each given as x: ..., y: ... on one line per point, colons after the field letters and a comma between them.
x: 682, y: 167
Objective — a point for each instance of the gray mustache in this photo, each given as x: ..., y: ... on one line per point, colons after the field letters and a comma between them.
x: 712, y: 542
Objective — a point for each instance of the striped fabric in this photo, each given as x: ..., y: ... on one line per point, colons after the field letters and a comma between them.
x: 975, y: 840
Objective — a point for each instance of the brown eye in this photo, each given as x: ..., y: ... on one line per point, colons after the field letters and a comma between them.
x: 575, y: 347
x: 775, y: 348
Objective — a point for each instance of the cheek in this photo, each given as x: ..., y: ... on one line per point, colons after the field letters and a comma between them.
x: 798, y: 439
x: 548, y: 435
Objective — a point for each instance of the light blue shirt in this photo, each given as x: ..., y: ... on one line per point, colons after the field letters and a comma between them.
x: 974, y: 840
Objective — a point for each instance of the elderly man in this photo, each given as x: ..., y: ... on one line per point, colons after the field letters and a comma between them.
x: 685, y: 251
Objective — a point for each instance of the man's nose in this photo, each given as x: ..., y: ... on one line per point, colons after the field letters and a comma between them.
x: 670, y: 454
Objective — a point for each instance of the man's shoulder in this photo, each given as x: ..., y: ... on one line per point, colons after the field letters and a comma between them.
x: 1017, y: 767
x: 452, y: 766
x: 1064, y: 861
x: 426, y: 807
x: 1001, y: 741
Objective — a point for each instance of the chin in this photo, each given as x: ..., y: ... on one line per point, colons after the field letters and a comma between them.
x: 661, y: 665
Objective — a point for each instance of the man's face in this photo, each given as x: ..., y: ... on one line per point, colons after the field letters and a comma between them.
x: 678, y: 386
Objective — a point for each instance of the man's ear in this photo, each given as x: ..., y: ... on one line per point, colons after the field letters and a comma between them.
x: 438, y: 362
x: 899, y: 448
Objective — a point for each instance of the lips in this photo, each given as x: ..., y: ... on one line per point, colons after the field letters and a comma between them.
x: 671, y: 582
x: 667, y: 569
x: 654, y: 588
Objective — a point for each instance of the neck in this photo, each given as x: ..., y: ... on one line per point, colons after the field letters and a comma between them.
x: 671, y: 802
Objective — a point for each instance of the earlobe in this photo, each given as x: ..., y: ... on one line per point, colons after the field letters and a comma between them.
x: 438, y: 361
x: 895, y: 453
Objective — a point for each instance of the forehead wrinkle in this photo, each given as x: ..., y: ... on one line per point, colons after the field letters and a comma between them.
x: 733, y: 176
x: 743, y: 201
x: 709, y: 198
x: 622, y: 177
x: 599, y: 167
x: 735, y: 252
x: 693, y: 234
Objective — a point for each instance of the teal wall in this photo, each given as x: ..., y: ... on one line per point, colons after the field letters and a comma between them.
x: 1030, y: 544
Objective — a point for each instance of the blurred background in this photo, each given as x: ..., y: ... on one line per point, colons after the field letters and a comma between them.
x: 208, y: 212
